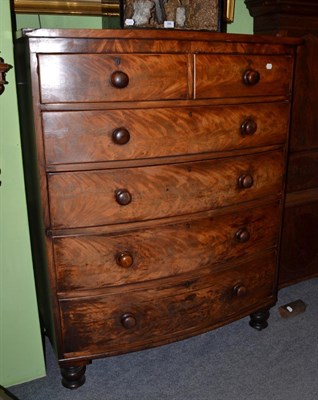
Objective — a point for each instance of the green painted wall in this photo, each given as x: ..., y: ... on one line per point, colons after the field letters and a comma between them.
x: 243, y: 22
x: 21, y: 357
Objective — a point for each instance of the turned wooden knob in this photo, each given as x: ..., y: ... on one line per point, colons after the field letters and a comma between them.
x: 128, y: 321
x: 239, y: 290
x: 242, y: 235
x: 248, y: 127
x: 121, y: 136
x: 251, y: 77
x: 124, y: 259
x: 123, y: 197
x: 119, y: 79
x: 245, y: 181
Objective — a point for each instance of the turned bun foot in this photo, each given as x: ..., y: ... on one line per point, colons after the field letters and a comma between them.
x: 73, y: 377
x: 259, y: 320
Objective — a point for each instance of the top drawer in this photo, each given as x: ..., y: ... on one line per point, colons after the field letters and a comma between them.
x: 242, y: 75
x: 104, y: 77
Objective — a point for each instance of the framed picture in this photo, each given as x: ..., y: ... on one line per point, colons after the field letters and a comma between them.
x: 182, y: 14
x: 206, y: 15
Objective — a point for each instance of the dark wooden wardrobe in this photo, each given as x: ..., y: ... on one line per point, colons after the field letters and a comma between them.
x: 299, y: 247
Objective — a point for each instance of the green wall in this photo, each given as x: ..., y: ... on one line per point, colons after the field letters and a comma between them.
x: 21, y: 357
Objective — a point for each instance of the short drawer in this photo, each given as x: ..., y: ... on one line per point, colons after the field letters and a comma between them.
x: 145, y: 316
x: 91, y: 136
x: 90, y: 198
x: 242, y: 75
x: 102, y: 77
x: 92, y: 262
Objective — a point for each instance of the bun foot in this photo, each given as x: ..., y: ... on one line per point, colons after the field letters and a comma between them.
x: 259, y: 320
x: 73, y: 377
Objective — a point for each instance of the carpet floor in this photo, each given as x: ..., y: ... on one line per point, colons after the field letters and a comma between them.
x: 234, y: 362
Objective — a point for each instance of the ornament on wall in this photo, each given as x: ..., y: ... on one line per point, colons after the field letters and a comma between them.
x: 4, y: 68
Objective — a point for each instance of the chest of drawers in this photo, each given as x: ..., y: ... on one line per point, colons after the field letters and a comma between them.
x: 155, y: 168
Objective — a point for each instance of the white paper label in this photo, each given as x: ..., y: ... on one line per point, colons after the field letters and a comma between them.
x: 269, y: 66
x: 168, y: 24
x: 129, y: 22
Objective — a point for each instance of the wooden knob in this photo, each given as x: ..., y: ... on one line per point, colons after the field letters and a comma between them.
x: 245, y: 181
x: 242, y: 235
x: 121, y: 136
x: 239, y: 290
x: 124, y: 259
x: 123, y: 197
x: 119, y: 79
x: 248, y: 127
x: 128, y: 321
x: 251, y: 77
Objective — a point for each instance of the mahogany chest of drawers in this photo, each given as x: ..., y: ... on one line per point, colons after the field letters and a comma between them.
x: 155, y: 167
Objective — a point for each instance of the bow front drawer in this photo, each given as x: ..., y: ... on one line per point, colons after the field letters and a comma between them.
x: 91, y: 136
x: 91, y: 262
x: 102, y: 77
x: 89, y: 198
x: 131, y: 319
x: 247, y: 75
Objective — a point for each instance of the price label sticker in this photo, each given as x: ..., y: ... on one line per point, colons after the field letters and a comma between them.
x: 168, y: 24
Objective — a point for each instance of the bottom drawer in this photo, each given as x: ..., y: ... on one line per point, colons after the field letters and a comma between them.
x: 165, y: 310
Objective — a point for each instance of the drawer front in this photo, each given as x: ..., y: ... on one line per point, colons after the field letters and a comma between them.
x: 103, y: 77
x: 88, y: 262
x: 90, y: 136
x: 133, y: 319
x: 89, y: 198
x: 247, y: 75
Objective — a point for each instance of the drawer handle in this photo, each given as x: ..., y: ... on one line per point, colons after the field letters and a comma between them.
x: 128, y: 321
x: 124, y: 259
x: 245, y: 181
x: 121, y: 136
x: 251, y: 77
x: 119, y: 79
x: 123, y: 197
x: 242, y: 235
x: 239, y: 290
x: 248, y: 127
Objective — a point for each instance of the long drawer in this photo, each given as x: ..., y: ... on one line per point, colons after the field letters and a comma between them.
x: 85, y: 78
x: 220, y: 75
x: 92, y: 262
x: 91, y: 136
x: 90, y: 198
x: 145, y: 316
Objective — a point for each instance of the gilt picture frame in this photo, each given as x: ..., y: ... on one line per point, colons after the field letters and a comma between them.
x: 75, y: 7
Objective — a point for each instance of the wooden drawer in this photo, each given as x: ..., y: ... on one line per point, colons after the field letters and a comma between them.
x: 147, y: 315
x: 89, y: 198
x: 88, y: 262
x: 88, y: 77
x: 90, y: 136
x: 225, y: 75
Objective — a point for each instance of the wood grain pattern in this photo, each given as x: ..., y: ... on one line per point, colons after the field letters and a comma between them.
x: 88, y: 198
x: 88, y: 262
x: 161, y: 214
x: 86, y: 136
x: 164, y: 311
x: 86, y: 78
x: 221, y: 75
